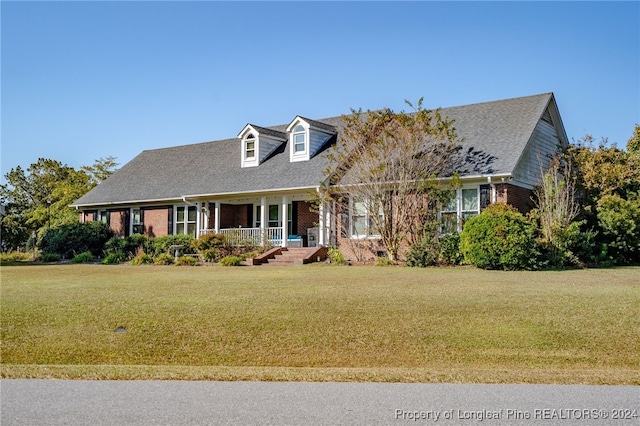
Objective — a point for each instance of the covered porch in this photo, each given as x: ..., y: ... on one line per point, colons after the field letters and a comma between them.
x: 286, y: 220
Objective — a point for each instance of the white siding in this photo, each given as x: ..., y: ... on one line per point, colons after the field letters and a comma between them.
x: 535, y: 159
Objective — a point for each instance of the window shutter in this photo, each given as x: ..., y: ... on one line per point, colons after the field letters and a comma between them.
x: 485, y: 198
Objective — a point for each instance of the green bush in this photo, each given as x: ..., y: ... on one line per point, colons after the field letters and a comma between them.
x: 208, y: 241
x: 141, y: 258
x: 210, y: 255
x: 619, y: 220
x: 162, y: 244
x: 186, y: 261
x: 70, y: 240
x: 421, y: 255
x: 85, y: 257
x: 16, y: 256
x: 384, y: 261
x: 336, y: 256
x: 49, y: 257
x: 450, y: 249
x: 231, y: 261
x: 114, y: 258
x: 163, y: 259
x: 499, y: 238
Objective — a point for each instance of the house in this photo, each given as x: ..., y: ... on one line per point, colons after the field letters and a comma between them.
x: 260, y: 184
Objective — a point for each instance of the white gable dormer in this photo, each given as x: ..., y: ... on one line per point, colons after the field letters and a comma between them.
x: 257, y: 143
x: 306, y: 137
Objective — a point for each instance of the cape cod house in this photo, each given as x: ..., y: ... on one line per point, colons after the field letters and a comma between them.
x: 259, y: 185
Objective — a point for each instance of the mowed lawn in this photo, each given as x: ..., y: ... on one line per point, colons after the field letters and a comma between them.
x: 321, y: 322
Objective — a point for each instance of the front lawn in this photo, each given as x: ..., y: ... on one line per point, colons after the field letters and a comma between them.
x: 321, y: 322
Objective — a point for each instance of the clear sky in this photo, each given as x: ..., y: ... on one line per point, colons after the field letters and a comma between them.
x: 84, y: 80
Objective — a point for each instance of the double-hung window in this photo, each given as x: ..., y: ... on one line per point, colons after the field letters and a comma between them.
x: 186, y: 220
x: 299, y: 140
x: 137, y: 221
x: 250, y: 147
x: 363, y: 224
x: 465, y: 203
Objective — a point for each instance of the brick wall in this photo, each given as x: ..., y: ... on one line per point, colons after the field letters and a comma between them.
x: 232, y: 216
x: 117, y: 222
x: 518, y: 197
x: 307, y: 218
x: 156, y: 221
x: 87, y: 216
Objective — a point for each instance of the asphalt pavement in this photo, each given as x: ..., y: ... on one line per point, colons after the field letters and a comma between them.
x: 65, y: 402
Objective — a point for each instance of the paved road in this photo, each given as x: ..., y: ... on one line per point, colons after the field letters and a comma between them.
x: 61, y: 402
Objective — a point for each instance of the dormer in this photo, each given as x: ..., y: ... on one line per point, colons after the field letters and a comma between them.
x: 258, y: 143
x: 306, y: 137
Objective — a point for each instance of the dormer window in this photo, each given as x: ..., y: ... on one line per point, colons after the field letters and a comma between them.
x: 250, y: 147
x: 299, y: 140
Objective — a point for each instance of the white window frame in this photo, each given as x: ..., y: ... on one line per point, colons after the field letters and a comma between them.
x: 185, y: 222
x: 139, y: 222
x: 462, y: 214
x: 300, y: 131
x: 366, y: 219
x: 250, y: 138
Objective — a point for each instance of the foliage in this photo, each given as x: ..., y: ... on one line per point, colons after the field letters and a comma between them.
x: 16, y: 256
x: 208, y: 241
x: 336, y: 256
x: 114, y: 258
x: 85, y: 257
x: 383, y: 261
x: 70, y: 240
x: 231, y: 261
x: 382, y: 159
x: 556, y: 208
x: 620, y: 221
x: 499, y: 238
x: 633, y: 144
x: 422, y: 255
x: 163, y: 244
x: 163, y: 259
x: 141, y: 258
x: 211, y: 255
x: 450, y: 249
x: 187, y: 261
x: 49, y: 257
x: 38, y: 198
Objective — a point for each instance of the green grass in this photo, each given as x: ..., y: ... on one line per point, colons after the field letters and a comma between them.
x: 320, y: 322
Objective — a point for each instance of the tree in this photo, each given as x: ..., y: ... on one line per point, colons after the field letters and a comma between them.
x: 633, y: 144
x: 387, y: 162
x: 38, y: 198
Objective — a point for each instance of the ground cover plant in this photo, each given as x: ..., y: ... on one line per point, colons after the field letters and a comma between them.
x: 321, y: 322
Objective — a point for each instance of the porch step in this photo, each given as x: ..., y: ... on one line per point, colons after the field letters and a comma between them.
x: 296, y: 256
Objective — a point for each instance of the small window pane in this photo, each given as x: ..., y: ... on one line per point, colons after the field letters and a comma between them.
x: 359, y: 225
x: 192, y: 214
x: 179, y: 228
x: 298, y: 129
x: 470, y: 200
x: 449, y: 223
x: 191, y: 229
x: 180, y: 214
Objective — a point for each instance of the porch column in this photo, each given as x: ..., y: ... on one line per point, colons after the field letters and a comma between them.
x: 321, y: 224
x: 205, y: 216
x: 198, y: 219
x: 263, y: 220
x: 285, y: 221
x: 216, y: 219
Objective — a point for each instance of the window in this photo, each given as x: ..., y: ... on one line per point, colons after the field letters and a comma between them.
x: 186, y: 220
x: 103, y: 216
x: 299, y: 140
x: 464, y: 205
x: 137, y: 222
x: 362, y: 221
x: 274, y: 216
x: 258, y: 216
x: 250, y: 147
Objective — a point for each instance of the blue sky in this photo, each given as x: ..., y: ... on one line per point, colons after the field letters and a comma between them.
x: 84, y: 80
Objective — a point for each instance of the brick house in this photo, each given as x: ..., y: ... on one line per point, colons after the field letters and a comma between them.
x: 260, y: 185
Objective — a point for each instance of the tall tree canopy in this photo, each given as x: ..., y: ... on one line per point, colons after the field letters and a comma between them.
x: 38, y: 197
x: 385, y: 160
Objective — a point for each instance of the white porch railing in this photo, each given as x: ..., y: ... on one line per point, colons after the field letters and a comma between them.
x: 244, y: 236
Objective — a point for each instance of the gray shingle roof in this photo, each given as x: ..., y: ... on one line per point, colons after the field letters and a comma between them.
x: 495, y: 135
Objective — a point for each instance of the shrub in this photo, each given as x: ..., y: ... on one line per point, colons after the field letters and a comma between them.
x: 85, y: 257
x: 49, y: 257
x: 208, y: 241
x: 450, y: 249
x: 619, y: 220
x: 210, y: 255
x: 384, y: 261
x: 499, y: 238
x: 141, y: 258
x: 186, y: 261
x: 162, y: 244
x: 114, y: 258
x: 16, y: 256
x: 163, y: 259
x: 231, y: 261
x: 421, y: 255
x: 336, y: 256
x: 69, y: 240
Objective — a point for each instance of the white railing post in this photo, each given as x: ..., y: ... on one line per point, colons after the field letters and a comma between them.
x: 216, y: 220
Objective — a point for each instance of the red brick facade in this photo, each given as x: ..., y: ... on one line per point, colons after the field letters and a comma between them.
x: 307, y: 217
x: 518, y: 197
x: 156, y: 221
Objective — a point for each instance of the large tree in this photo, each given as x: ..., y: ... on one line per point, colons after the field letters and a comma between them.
x: 387, y: 163
x: 39, y: 197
